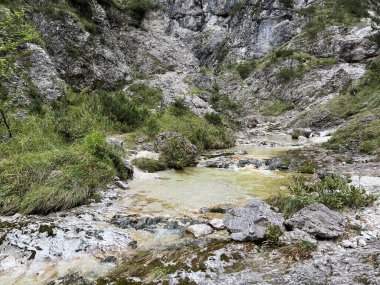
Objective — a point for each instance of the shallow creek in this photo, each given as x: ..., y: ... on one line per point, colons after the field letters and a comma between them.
x: 82, y: 237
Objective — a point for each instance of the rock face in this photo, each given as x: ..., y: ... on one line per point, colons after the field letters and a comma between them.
x: 200, y: 230
x: 318, y: 220
x: 249, y: 223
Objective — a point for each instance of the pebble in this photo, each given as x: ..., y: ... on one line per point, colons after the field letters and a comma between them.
x: 362, y: 242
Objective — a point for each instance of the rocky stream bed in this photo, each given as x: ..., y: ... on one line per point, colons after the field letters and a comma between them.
x: 204, y: 225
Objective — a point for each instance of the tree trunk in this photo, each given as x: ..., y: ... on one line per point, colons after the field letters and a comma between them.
x: 6, y: 123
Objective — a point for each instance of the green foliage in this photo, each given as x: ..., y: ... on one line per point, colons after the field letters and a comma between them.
x: 277, y: 108
x: 307, y: 168
x: 333, y: 191
x: 287, y: 3
x: 223, y: 104
x: 177, y: 154
x: 214, y: 119
x: 237, y: 8
x: 198, y: 130
x: 298, y: 251
x: 178, y: 108
x: 359, y: 104
x: 272, y: 235
x: 150, y: 165
x: 245, y: 68
x: 53, y: 180
x: 143, y: 94
x: 333, y: 12
x: 138, y: 9
x: 118, y: 107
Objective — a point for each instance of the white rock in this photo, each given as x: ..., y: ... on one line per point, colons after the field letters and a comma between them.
x: 200, y: 230
x: 362, y: 242
x: 217, y: 224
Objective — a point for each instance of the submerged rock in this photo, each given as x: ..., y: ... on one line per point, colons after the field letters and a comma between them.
x: 318, y: 220
x: 301, y: 132
x: 218, y: 162
x: 249, y: 223
x: 121, y: 184
x: 200, y: 230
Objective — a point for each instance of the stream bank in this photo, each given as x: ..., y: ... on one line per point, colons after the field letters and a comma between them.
x: 134, y: 228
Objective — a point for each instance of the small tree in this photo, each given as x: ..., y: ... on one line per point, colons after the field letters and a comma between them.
x: 14, y: 33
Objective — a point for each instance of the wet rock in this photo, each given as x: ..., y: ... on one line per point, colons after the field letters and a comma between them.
x: 277, y: 163
x: 129, y: 167
x: 218, y: 162
x: 137, y: 222
x: 121, y: 184
x: 200, y: 230
x: 217, y: 224
x: 296, y: 236
x: 249, y: 223
x: 250, y: 161
x: 302, y: 139
x: 298, y: 132
x: 318, y: 220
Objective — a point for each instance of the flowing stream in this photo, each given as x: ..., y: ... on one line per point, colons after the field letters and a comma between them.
x: 81, y: 238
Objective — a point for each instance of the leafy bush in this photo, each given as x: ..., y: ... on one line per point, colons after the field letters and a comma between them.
x: 333, y: 191
x: 214, y: 119
x: 119, y: 108
x: 198, y: 130
x: 138, y: 9
x: 177, y: 154
x: 178, y: 108
x: 272, y: 235
x: 146, y: 95
x: 245, y: 68
x: 287, y: 3
x: 277, y: 108
x: 149, y: 165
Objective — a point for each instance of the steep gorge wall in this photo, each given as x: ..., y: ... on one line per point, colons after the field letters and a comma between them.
x: 189, y: 49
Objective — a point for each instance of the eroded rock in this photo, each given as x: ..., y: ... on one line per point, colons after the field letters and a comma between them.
x: 249, y: 223
x: 318, y: 220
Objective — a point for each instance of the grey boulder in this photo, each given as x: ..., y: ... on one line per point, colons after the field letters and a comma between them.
x: 318, y: 220
x: 200, y: 230
x: 249, y: 223
x: 295, y: 237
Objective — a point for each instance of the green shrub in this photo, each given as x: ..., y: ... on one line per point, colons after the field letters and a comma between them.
x: 138, y: 9
x: 288, y: 74
x: 119, y: 108
x: 177, y: 154
x: 214, y: 119
x: 307, y: 168
x: 277, y: 108
x: 143, y: 94
x: 272, y: 235
x: 197, y: 129
x: 333, y: 191
x: 287, y: 3
x: 178, y: 108
x: 245, y: 68
x: 149, y: 165
x: 237, y: 8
